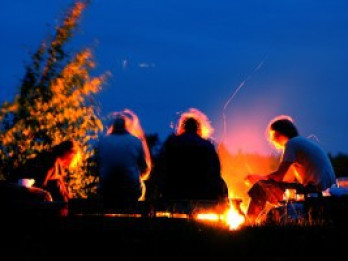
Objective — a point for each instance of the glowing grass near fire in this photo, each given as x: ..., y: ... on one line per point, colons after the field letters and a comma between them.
x: 231, y: 218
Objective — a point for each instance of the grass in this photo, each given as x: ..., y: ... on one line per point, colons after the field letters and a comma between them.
x: 102, y: 238
x: 44, y: 235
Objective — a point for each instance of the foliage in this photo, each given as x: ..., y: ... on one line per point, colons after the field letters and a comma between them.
x: 154, y: 144
x: 55, y: 103
x: 340, y: 164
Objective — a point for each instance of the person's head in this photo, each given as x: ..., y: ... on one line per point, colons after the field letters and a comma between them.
x: 119, y: 125
x: 65, y: 152
x: 280, y: 130
x: 191, y: 125
x: 196, y: 121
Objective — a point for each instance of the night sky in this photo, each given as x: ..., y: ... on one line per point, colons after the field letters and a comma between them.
x: 168, y: 56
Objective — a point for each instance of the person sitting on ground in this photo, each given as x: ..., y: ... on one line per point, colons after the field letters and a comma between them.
x: 312, y: 167
x: 189, y: 166
x: 122, y: 165
x: 48, y: 170
x: 22, y: 192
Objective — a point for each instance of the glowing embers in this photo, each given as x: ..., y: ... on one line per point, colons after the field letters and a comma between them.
x: 232, y: 217
x: 161, y: 214
x: 226, y: 215
x: 209, y: 216
x: 123, y: 215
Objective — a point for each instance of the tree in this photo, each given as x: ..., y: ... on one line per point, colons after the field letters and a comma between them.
x: 340, y: 164
x: 55, y: 103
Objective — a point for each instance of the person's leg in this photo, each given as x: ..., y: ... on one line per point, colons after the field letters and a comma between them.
x: 257, y: 203
x: 262, y: 192
x: 254, y: 210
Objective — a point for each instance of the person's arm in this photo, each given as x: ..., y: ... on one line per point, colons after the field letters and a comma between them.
x: 288, y: 158
x: 277, y: 175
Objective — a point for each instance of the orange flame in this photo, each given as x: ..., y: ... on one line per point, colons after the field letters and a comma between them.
x: 231, y: 217
x: 208, y: 216
x: 237, y: 163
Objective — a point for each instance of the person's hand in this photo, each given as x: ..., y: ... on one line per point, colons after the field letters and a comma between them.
x: 252, y: 179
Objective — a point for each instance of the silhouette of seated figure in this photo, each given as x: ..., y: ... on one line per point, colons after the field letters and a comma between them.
x: 11, y: 192
x: 122, y: 164
x: 190, y: 167
x: 48, y: 169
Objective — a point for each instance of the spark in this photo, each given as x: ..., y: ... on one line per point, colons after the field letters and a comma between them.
x: 240, y: 86
x: 313, y: 137
x: 124, y: 63
x: 146, y: 65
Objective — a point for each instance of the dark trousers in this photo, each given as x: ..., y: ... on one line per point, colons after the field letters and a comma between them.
x: 119, y: 192
x: 271, y: 191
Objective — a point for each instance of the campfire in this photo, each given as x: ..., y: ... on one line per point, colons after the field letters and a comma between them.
x: 232, y: 217
x: 227, y: 215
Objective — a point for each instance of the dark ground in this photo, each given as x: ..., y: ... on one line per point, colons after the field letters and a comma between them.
x: 106, y: 238
x: 39, y: 232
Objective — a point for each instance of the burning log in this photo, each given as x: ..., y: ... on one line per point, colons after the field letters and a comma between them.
x: 227, y: 213
x: 223, y: 214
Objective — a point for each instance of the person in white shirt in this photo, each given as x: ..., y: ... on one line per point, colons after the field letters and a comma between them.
x: 312, y: 168
x: 122, y: 164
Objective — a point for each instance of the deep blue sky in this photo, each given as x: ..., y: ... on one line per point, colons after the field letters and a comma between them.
x: 181, y: 54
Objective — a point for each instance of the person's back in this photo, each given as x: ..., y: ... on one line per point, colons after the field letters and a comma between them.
x: 122, y: 152
x: 192, y: 169
x: 122, y: 161
x: 311, y: 162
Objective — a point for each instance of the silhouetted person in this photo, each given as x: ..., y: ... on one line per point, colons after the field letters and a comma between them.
x: 190, y: 167
x: 11, y: 192
x: 122, y: 164
x: 313, y: 169
x: 48, y: 169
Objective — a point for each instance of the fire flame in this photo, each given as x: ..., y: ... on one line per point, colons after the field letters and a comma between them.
x: 237, y: 161
x: 231, y: 217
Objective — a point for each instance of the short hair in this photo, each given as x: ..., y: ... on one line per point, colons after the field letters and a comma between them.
x: 285, y: 127
x: 191, y: 125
